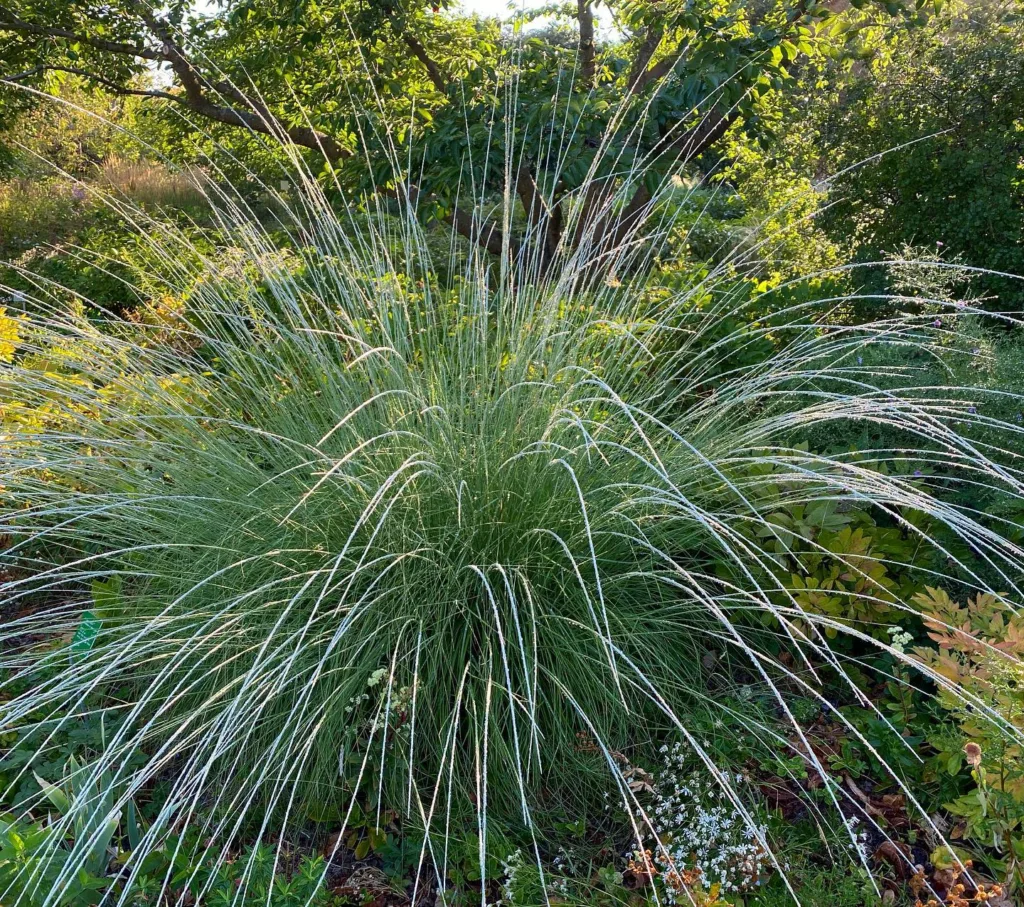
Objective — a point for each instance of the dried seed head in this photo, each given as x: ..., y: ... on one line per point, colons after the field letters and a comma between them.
x: 973, y: 753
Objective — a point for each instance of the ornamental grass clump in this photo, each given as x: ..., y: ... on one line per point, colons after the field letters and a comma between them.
x: 339, y: 536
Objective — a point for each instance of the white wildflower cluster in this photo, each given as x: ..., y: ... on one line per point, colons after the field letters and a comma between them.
x: 355, y: 702
x: 393, y: 713
x: 899, y: 639
x: 563, y: 866
x: 510, y: 868
x: 858, y: 837
x: 702, y: 837
x: 394, y: 710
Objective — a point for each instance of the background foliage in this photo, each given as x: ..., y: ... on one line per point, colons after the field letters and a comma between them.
x: 844, y: 135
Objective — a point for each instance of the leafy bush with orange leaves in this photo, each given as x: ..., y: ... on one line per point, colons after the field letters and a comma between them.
x: 979, y: 649
x: 978, y: 644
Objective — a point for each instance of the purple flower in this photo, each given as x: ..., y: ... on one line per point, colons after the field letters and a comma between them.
x: 918, y: 473
x: 940, y: 243
x: 937, y: 323
x: 976, y: 350
x: 972, y: 409
x: 78, y: 193
x: 860, y: 360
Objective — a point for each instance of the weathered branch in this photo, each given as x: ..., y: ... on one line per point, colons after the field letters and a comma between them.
x: 10, y: 22
x: 615, y: 229
x: 486, y: 235
x: 545, y: 220
x: 588, y: 47
x: 652, y: 41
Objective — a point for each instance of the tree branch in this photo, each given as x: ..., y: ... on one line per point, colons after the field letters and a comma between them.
x: 596, y: 193
x: 248, y: 114
x: 637, y: 72
x: 529, y: 195
x: 588, y: 47
x: 658, y: 71
x: 614, y: 230
x: 256, y: 118
x: 545, y: 221
x: 486, y: 235
x: 699, y: 137
x: 611, y: 232
x: 434, y: 73
x: 100, y: 80
x: 420, y: 53
x: 640, y: 76
x: 10, y: 22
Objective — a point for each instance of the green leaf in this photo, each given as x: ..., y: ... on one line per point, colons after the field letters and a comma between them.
x: 106, y: 596
x: 91, y: 882
x: 132, y: 826
x: 54, y: 794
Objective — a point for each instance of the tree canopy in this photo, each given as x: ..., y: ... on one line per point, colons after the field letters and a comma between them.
x: 404, y: 96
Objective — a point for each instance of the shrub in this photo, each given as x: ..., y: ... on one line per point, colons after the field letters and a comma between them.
x: 979, y: 651
x: 69, y: 242
x: 75, y: 135
x: 353, y: 539
x: 948, y: 92
x: 40, y: 212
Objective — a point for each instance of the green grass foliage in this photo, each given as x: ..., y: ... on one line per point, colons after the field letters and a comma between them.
x: 352, y: 539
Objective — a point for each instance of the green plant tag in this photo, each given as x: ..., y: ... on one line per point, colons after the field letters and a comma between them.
x: 85, y: 636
